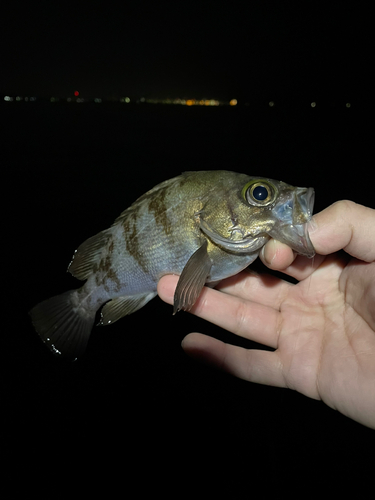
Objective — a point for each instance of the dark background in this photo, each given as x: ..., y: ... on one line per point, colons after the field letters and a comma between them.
x: 69, y: 170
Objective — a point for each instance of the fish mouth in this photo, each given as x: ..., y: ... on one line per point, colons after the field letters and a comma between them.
x: 301, y: 242
x: 303, y: 205
x: 293, y: 217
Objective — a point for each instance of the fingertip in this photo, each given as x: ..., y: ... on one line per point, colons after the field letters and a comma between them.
x: 276, y: 255
x: 190, y: 341
x: 166, y: 287
x: 202, y: 348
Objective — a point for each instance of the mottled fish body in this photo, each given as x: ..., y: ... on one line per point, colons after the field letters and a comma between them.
x: 204, y: 226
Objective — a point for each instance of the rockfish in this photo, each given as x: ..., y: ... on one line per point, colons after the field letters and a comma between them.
x: 203, y: 226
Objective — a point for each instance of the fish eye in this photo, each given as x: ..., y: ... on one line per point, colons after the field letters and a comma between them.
x: 259, y: 193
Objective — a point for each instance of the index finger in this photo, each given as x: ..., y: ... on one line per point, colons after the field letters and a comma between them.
x: 247, y: 319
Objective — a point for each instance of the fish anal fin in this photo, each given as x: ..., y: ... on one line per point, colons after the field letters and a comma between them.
x: 88, y: 254
x: 122, y: 306
x: 192, y: 279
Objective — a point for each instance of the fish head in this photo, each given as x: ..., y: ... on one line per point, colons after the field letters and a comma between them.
x: 249, y: 213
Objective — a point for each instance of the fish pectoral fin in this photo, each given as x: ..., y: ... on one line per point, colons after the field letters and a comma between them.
x: 88, y: 254
x: 122, y: 306
x: 192, y: 279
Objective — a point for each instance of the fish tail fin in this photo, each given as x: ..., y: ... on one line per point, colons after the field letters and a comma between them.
x: 62, y: 326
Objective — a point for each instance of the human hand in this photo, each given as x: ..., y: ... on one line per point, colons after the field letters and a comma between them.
x: 322, y: 328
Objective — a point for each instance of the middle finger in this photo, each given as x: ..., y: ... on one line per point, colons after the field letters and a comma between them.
x: 242, y: 317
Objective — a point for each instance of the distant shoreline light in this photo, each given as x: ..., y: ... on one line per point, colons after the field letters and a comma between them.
x: 124, y: 100
x: 175, y: 101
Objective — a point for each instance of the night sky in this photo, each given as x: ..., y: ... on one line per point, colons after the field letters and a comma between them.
x: 184, y: 49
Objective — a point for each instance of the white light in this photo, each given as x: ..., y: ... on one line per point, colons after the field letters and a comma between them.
x: 56, y: 351
x: 348, y: 104
x: 313, y: 104
x: 271, y: 104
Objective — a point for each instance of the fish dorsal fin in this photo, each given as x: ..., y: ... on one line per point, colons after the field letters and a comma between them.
x: 122, y: 306
x: 192, y: 279
x: 88, y: 254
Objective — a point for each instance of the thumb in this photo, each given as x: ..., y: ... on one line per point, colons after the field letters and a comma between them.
x: 344, y: 225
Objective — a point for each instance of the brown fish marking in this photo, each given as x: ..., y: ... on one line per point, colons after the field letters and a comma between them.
x: 156, y: 203
x: 130, y: 229
x: 158, y: 206
x: 104, y: 269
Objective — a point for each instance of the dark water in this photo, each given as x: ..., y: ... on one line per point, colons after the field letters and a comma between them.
x: 68, y: 171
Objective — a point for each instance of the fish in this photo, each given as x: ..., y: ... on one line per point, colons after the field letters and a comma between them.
x: 204, y: 226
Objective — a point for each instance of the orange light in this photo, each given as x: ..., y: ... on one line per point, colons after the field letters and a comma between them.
x: 233, y: 102
x: 189, y: 102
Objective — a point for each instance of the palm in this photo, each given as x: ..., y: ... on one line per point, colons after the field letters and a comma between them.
x: 322, y: 329
x: 324, y: 344
x: 324, y: 347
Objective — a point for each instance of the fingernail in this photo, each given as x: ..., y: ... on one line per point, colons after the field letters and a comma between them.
x: 268, y: 255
